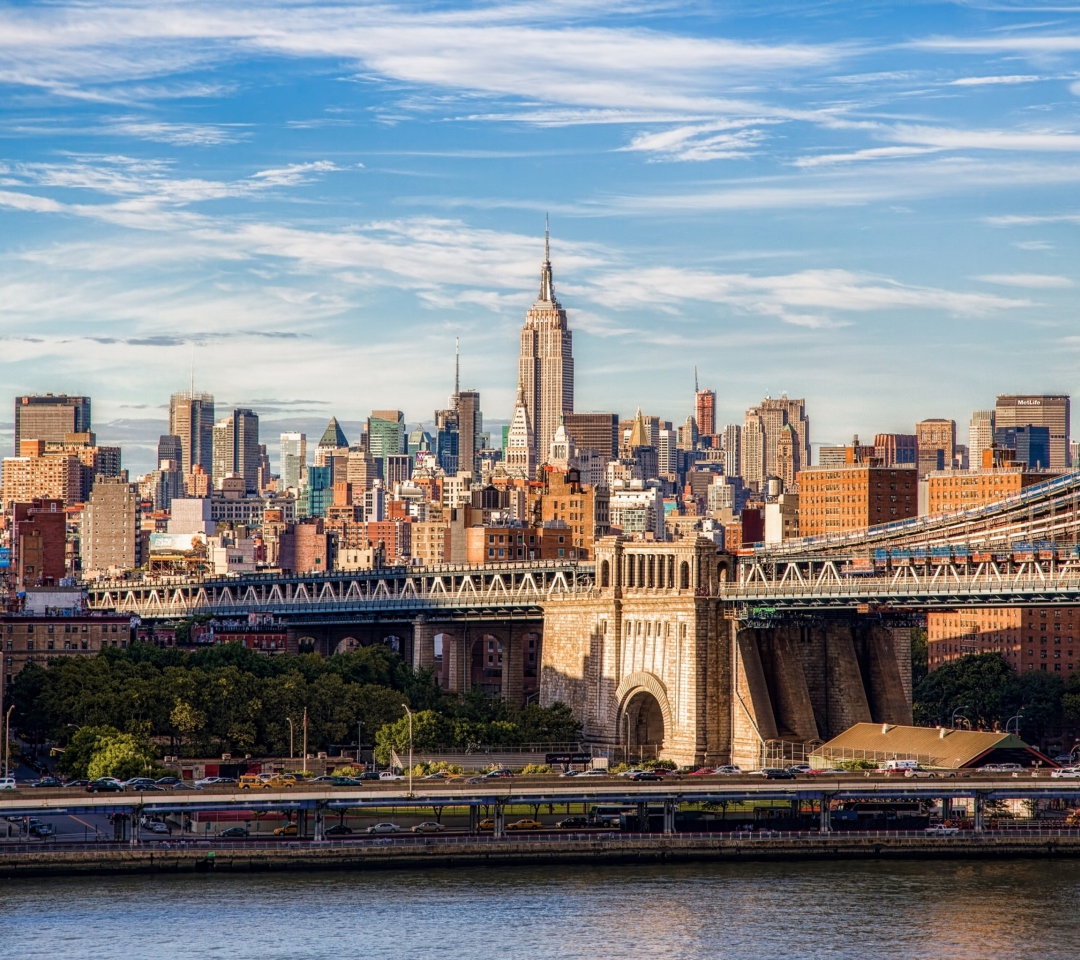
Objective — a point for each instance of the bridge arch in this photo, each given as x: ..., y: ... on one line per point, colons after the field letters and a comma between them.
x: 306, y: 645
x: 644, y: 716
x: 684, y: 576
x: 348, y: 645
x: 486, y: 665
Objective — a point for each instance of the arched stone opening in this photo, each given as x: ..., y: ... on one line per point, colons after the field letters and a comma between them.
x: 439, y: 644
x: 393, y: 642
x: 605, y: 574
x: 486, y: 668
x: 305, y: 645
x: 684, y: 576
x: 347, y: 645
x: 642, y: 726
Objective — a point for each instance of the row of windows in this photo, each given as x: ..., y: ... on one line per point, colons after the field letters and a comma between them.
x: 68, y: 628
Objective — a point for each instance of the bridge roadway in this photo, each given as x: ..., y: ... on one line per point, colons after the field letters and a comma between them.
x: 497, y: 793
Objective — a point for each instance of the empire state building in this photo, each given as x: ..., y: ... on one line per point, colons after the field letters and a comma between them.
x: 546, y: 364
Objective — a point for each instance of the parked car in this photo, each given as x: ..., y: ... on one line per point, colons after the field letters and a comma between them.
x: 47, y: 782
x: 156, y: 826
x: 1066, y: 773
x: 338, y: 830
x: 236, y: 832
x: 384, y: 828
x: 42, y: 830
x: 7, y: 783
x: 525, y: 824
x: 104, y: 786
x: 285, y: 830
x: 429, y: 826
x: 369, y: 775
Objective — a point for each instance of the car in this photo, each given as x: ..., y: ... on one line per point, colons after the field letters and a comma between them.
x: 1064, y: 758
x: 475, y: 780
x: 574, y: 823
x: 137, y: 783
x: 369, y: 775
x: 702, y: 772
x: 940, y: 830
x: 646, y: 775
x: 345, y: 782
x: 77, y: 783
x: 429, y: 826
x: 156, y: 826
x: 570, y: 773
x: 167, y: 781
x: 104, y: 786
x: 322, y: 779
x: 1066, y: 773
x: 7, y: 783
x: 337, y: 830
x: 42, y: 830
x: 388, y: 775
x: 920, y: 773
x: 728, y: 770
x: 247, y: 782
x: 237, y: 832
x: 803, y: 768
x: 279, y: 783
x: 213, y: 781
x: 595, y: 772
x: 47, y: 782
x: 183, y: 785
x: 632, y: 771
x: 384, y: 828
x: 525, y: 824
x: 486, y: 824
x: 776, y: 773
x: 285, y: 830
x: 498, y: 774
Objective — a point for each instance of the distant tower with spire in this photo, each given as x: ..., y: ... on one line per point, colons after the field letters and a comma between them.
x: 546, y: 362
x: 520, y: 442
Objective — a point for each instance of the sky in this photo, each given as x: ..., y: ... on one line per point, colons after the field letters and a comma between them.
x: 870, y: 205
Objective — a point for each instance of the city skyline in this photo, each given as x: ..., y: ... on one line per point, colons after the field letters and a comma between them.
x: 863, y: 211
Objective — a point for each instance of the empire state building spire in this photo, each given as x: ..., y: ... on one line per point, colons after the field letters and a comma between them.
x: 546, y: 362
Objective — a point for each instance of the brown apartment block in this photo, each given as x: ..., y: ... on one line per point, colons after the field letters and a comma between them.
x: 854, y: 497
x: 584, y: 510
x: 33, y: 475
x: 1034, y: 638
x: 595, y: 431
x: 39, y: 541
x: 37, y: 639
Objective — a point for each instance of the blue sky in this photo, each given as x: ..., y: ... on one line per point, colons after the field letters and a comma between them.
x: 871, y: 205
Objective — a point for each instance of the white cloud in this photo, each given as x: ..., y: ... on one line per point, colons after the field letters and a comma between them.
x: 179, y: 134
x: 1035, y: 281
x: 721, y: 140
x: 985, y: 81
x: 871, y: 153
x: 957, y: 139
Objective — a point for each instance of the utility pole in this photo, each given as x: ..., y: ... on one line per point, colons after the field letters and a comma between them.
x: 409, y: 712
x: 289, y: 721
x: 305, y: 739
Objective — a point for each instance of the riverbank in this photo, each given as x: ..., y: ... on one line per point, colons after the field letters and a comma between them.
x: 110, y: 859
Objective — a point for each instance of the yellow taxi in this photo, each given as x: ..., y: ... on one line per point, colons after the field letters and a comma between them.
x: 525, y: 824
x: 487, y: 824
x: 250, y: 782
x: 288, y: 830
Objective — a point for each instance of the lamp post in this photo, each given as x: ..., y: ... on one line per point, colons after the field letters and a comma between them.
x: 626, y: 717
x: 305, y: 739
x: 359, y: 738
x: 7, y: 739
x: 409, y: 712
x: 1008, y: 723
x: 288, y: 720
x: 952, y: 722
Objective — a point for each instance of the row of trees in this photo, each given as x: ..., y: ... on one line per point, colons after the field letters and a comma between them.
x: 228, y: 699
x: 984, y: 689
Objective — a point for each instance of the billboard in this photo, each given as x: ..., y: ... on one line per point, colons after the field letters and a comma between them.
x: 5, y: 557
x: 178, y: 544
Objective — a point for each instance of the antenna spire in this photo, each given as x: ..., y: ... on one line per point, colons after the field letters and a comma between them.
x: 457, y: 367
x: 192, y: 368
x: 547, y: 284
x: 696, y: 390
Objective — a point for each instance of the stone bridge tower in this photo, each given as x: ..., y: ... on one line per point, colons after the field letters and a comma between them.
x: 643, y: 660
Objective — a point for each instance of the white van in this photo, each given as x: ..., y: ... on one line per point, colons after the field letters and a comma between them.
x: 7, y: 783
x: 891, y: 766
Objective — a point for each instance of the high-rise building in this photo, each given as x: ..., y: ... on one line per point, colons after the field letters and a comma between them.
x: 776, y: 413
x: 191, y: 418
x: 292, y: 459
x: 50, y: 418
x: 733, y: 450
x: 896, y: 449
x: 447, y: 440
x: 980, y: 435
x: 1031, y: 444
x: 1051, y: 411
x: 386, y: 435
x: 34, y: 476
x: 595, y: 432
x: 169, y: 447
x: 936, y: 439
x: 110, y: 530
x: 546, y: 362
x: 466, y: 404
x: 854, y: 497
x: 520, y: 442
x: 705, y: 411
x: 752, y: 461
x: 333, y: 438
x: 236, y: 448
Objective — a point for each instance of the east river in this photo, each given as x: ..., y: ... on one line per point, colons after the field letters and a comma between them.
x: 932, y: 909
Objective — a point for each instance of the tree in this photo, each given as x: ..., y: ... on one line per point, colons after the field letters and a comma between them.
x: 920, y: 650
x: 120, y: 755
x: 980, y: 683
x: 428, y: 733
x: 75, y: 760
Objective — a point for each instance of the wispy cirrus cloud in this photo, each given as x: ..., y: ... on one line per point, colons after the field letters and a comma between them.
x: 721, y: 140
x: 1035, y: 281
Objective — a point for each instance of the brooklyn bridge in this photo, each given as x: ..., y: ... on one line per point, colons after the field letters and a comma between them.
x: 676, y: 647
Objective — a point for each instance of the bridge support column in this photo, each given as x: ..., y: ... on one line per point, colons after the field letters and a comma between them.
x: 643, y: 817
x: 136, y: 813
x: 500, y: 820
x: 474, y: 818
x: 670, y: 806
x: 979, y: 800
x: 826, y: 820
x: 423, y: 645
x: 320, y: 823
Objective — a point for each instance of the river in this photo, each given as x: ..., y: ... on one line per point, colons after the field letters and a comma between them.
x: 928, y: 909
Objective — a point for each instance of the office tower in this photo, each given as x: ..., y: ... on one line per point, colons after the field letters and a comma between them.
x: 470, y: 428
x: 546, y: 363
x: 752, y: 462
x: 110, y: 539
x: 447, y: 440
x: 936, y: 440
x: 733, y: 450
x: 386, y: 434
x: 788, y: 458
x: 595, y: 431
x: 704, y: 409
x: 236, y: 448
x: 667, y: 452
x: 333, y: 438
x: 169, y: 447
x: 419, y: 441
x: 398, y: 469
x: 1030, y: 444
x: 520, y: 442
x: 1050, y: 411
x: 980, y: 435
x: 191, y: 418
x: 896, y: 449
x: 292, y: 459
x: 832, y: 455
x: 775, y: 414
x: 50, y: 417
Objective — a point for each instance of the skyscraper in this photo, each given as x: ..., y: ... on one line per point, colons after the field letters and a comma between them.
x: 520, y: 442
x: 470, y: 427
x: 937, y: 444
x: 292, y: 459
x: 980, y: 435
x: 733, y: 450
x: 236, y: 448
x: 775, y: 415
x: 546, y: 363
x: 386, y: 435
x: 752, y: 459
x: 50, y: 417
x: 704, y: 409
x: 191, y: 418
x: 1051, y: 411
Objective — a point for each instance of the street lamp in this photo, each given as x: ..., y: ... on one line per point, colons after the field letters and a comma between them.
x: 1019, y: 714
x: 626, y: 717
x: 952, y: 722
x: 409, y: 712
x: 359, y: 738
x: 7, y: 739
x: 288, y: 720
